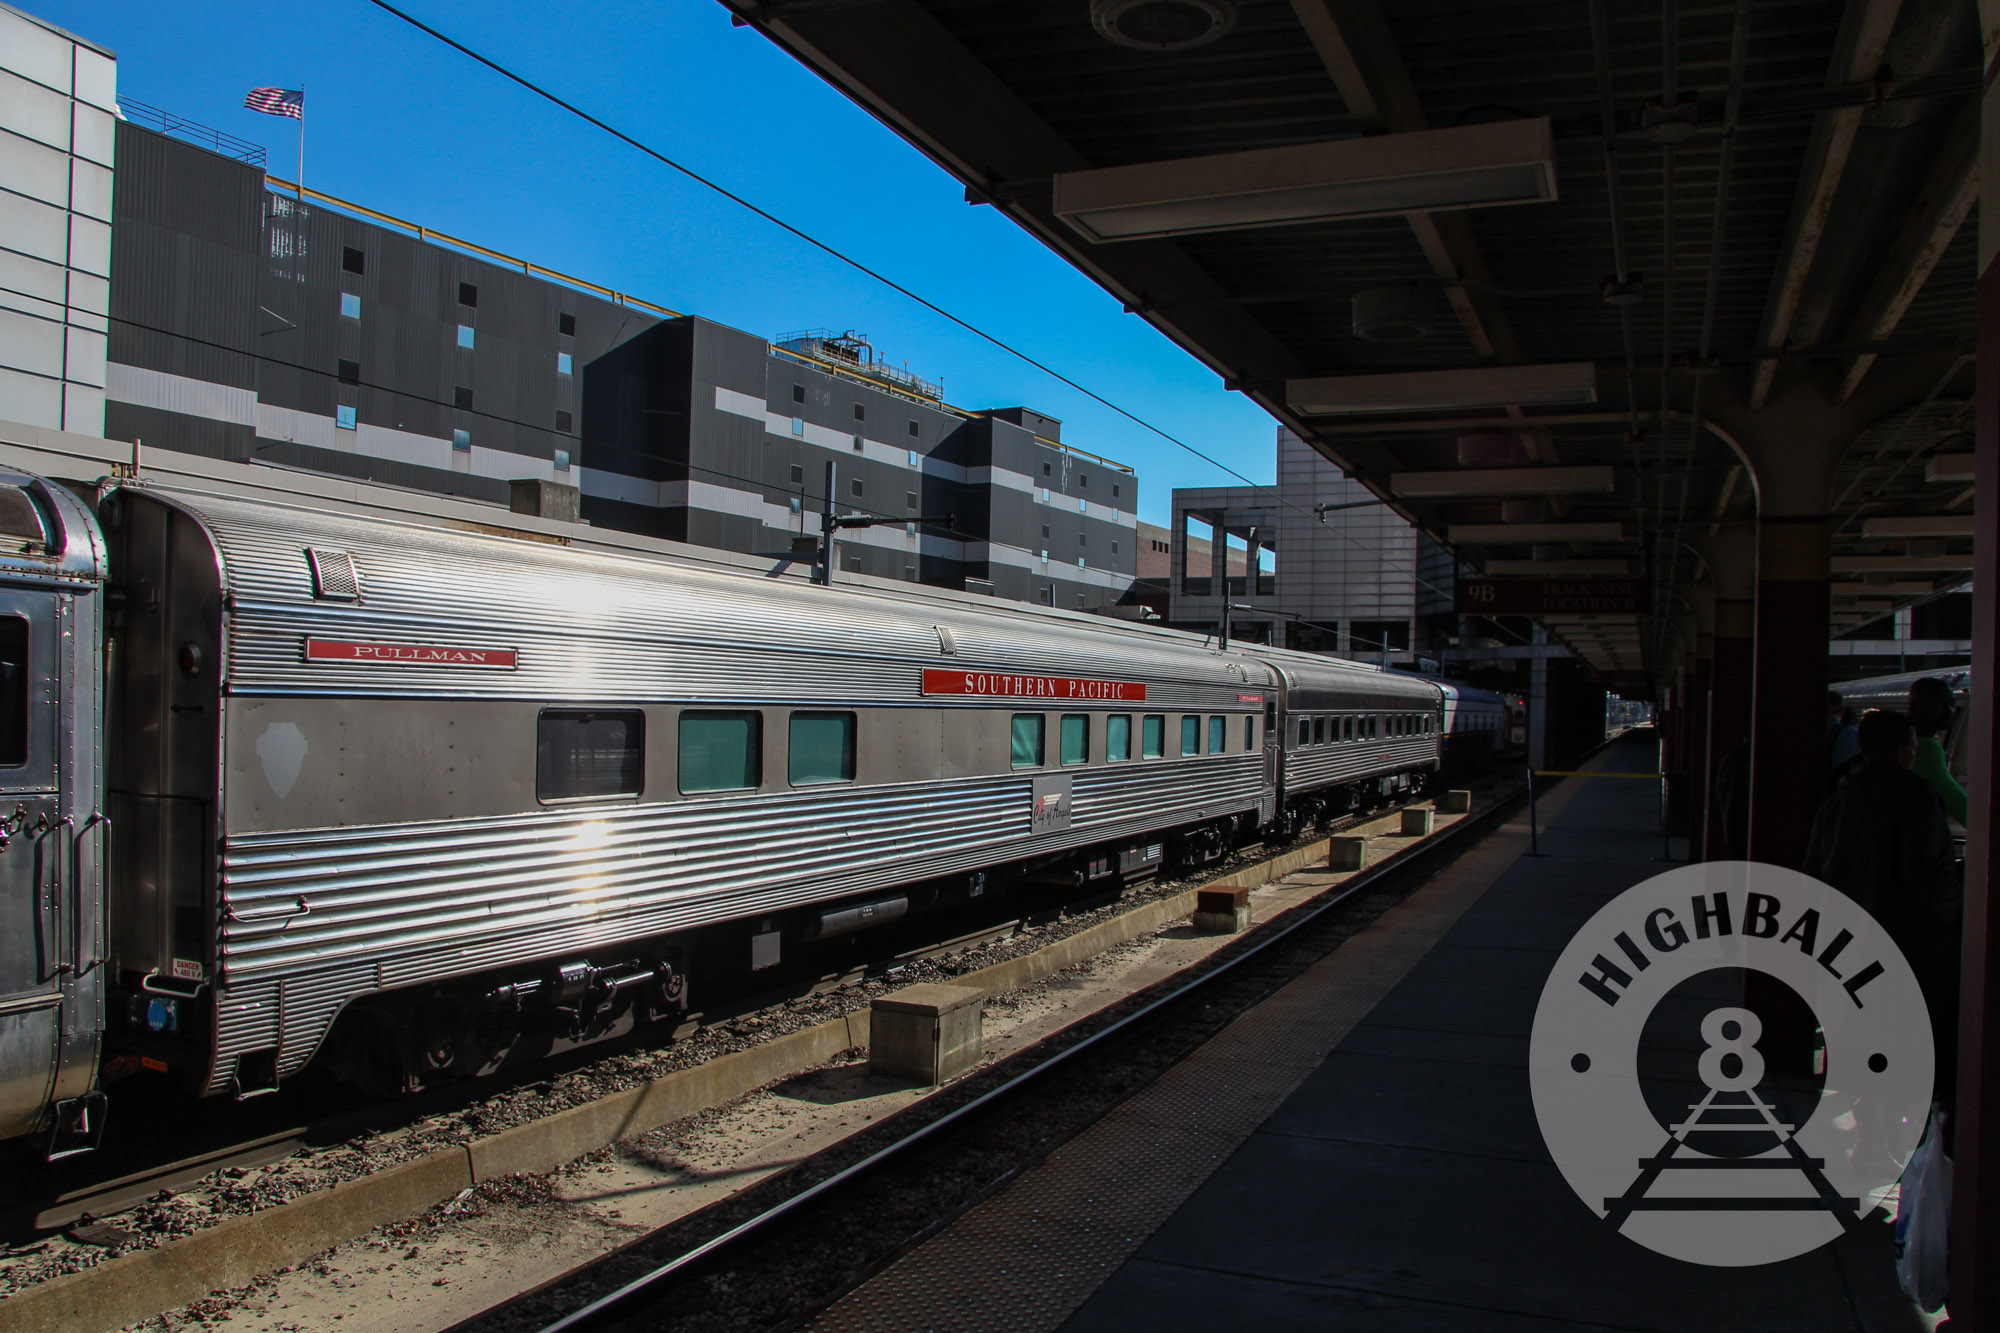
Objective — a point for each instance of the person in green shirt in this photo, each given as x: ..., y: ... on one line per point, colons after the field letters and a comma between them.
x: 1931, y: 709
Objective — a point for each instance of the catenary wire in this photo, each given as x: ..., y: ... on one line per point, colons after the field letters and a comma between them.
x: 1027, y: 358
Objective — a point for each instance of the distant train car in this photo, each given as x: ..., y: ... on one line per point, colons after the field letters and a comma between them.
x: 295, y: 781
x: 1351, y: 735
x: 1475, y: 726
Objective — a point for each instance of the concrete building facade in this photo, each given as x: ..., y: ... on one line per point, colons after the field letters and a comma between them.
x: 1337, y: 571
x: 251, y: 324
x: 58, y: 148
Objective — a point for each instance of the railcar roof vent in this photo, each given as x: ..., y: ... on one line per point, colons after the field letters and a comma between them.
x: 947, y: 641
x: 334, y: 578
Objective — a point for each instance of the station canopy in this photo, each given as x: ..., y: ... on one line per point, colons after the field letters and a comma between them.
x: 1531, y: 270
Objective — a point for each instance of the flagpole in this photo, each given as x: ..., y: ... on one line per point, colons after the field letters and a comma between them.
x: 302, y: 143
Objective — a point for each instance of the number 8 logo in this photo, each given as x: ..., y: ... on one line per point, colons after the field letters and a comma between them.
x: 1722, y: 1043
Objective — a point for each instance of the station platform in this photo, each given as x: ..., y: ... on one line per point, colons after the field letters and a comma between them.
x: 1361, y: 1151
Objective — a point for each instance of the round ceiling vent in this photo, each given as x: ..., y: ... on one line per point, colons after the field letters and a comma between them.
x: 1162, y: 25
x: 1396, y: 314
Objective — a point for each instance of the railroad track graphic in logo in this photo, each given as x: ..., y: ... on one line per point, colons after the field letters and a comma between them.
x: 1731, y: 1063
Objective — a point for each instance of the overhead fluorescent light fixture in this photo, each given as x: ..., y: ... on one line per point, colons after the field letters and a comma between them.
x: 1469, y: 166
x: 1568, y: 384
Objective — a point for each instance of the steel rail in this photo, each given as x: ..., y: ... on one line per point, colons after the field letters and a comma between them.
x: 635, y: 1295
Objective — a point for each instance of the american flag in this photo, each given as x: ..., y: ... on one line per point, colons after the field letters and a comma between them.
x: 278, y: 102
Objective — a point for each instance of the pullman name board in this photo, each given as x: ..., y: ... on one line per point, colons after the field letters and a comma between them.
x: 1550, y: 597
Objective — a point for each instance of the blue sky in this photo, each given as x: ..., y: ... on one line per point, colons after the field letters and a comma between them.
x: 403, y: 124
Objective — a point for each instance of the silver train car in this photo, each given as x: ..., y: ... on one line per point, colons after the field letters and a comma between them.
x: 1477, y: 726
x: 297, y: 784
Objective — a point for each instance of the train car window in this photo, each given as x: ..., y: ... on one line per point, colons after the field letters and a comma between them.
x: 1305, y: 731
x: 1153, y: 736
x: 1118, y: 738
x: 821, y: 748
x: 1190, y: 735
x: 580, y: 754
x: 1249, y: 733
x: 1218, y: 735
x: 721, y: 751
x: 1026, y: 750
x: 1074, y: 739
x: 13, y: 691
x: 1349, y: 728
x: 1319, y: 731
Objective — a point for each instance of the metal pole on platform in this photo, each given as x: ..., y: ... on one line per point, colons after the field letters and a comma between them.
x: 1666, y: 826
x: 1534, y: 838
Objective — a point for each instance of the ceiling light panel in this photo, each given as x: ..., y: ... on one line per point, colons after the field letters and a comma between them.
x: 1468, y: 166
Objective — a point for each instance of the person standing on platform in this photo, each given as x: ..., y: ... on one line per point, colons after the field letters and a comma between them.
x: 1882, y: 840
x: 1931, y: 709
x: 1843, y: 742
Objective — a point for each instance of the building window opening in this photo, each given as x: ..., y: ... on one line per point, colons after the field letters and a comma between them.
x: 353, y: 260
x: 566, y: 324
x: 345, y: 417
x: 468, y: 295
x: 565, y: 364
x: 461, y: 441
x: 798, y: 473
x: 564, y: 422
x: 913, y: 429
x: 798, y: 425
x: 857, y: 444
x: 798, y: 393
x: 350, y: 305
x: 909, y: 499
x: 1048, y: 469
x: 461, y: 398
x: 855, y: 487
x: 350, y: 372
x: 465, y: 335
x: 589, y: 755
x: 860, y: 412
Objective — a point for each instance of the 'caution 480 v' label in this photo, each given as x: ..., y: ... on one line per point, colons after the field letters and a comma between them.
x: 1731, y: 1062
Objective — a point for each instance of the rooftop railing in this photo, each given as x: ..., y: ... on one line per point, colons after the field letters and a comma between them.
x: 193, y: 131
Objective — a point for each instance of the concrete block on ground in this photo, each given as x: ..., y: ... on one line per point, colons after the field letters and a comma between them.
x: 1419, y: 823
x: 1222, y: 910
x: 1346, y: 853
x: 930, y: 1033
x: 1456, y: 803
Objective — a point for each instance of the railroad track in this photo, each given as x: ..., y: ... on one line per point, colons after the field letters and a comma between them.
x: 827, y: 1225
x: 60, y: 1200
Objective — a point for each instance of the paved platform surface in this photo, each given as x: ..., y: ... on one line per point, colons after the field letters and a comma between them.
x: 1361, y: 1152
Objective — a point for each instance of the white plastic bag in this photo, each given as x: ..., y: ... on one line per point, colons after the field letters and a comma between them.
x: 1923, y: 1215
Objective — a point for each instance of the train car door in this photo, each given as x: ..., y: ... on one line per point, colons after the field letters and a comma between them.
x: 39, y: 932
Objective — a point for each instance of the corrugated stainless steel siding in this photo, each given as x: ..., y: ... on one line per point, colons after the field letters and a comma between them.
x: 1311, y: 766
x: 394, y: 906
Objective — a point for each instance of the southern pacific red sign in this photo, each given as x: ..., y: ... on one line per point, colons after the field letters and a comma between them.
x: 1004, y: 685
x: 408, y: 654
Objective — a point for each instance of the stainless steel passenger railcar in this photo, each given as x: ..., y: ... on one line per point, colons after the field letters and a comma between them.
x: 471, y: 793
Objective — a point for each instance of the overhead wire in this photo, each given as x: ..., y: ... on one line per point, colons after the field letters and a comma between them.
x: 859, y: 266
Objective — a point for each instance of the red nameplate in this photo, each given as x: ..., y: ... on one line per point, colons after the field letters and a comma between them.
x: 1004, y: 685
x: 408, y: 654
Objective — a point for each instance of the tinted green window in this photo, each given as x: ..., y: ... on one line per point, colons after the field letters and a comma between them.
x: 580, y: 755
x: 1218, y: 735
x: 1190, y: 735
x: 721, y: 751
x: 1305, y: 731
x: 1075, y: 738
x: 1027, y: 744
x: 1118, y: 738
x: 822, y: 748
x: 1249, y: 733
x: 1153, y: 736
